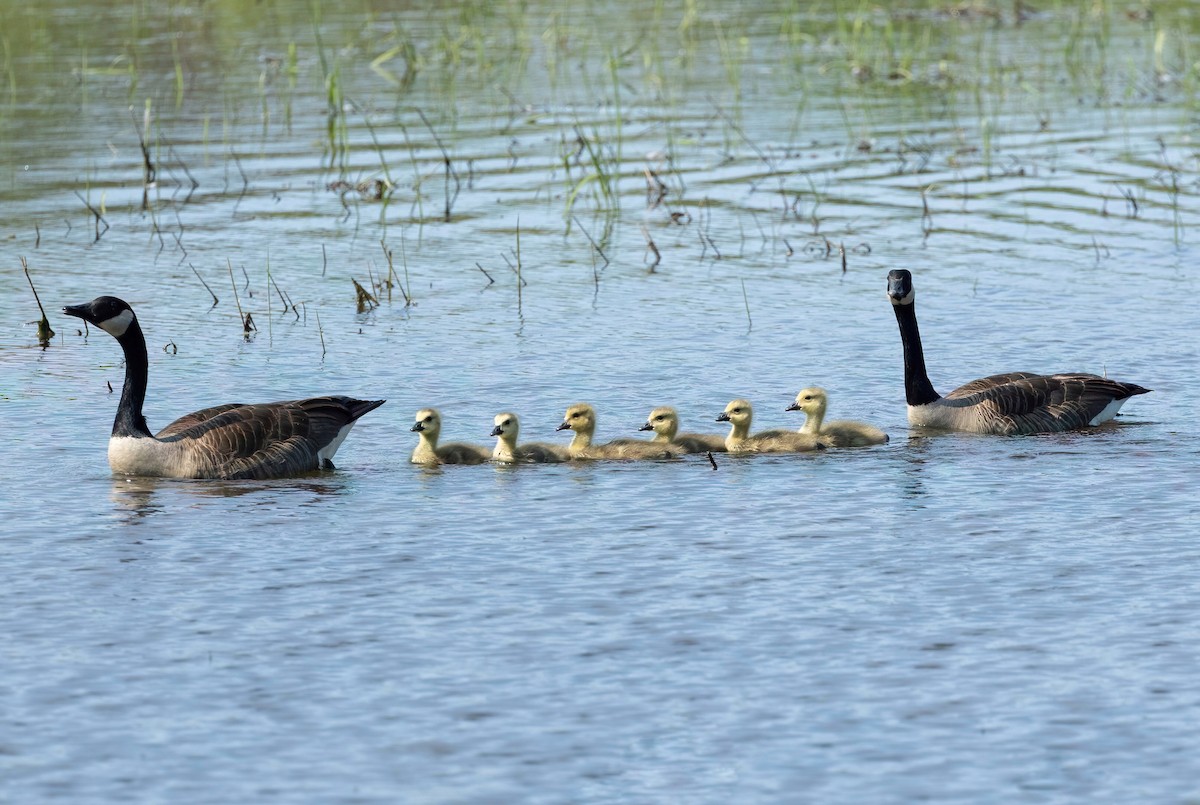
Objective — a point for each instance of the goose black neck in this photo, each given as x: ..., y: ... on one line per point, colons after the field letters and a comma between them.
x: 917, y: 387
x: 129, y: 421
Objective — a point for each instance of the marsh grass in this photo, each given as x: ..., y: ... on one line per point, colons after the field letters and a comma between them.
x: 727, y: 116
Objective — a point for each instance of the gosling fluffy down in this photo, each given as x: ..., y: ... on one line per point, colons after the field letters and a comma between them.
x: 664, y: 421
x: 813, y: 402
x: 581, y: 418
x: 507, y: 429
x: 739, y: 415
x: 428, y: 426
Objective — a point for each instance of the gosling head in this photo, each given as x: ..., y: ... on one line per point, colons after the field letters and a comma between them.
x: 663, y: 421
x: 900, y: 287
x: 507, y: 426
x: 811, y: 401
x: 429, y: 422
x: 580, y: 418
x: 738, y: 413
x: 112, y: 315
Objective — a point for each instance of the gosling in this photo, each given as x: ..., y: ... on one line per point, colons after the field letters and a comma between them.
x: 508, y: 426
x: 839, y: 433
x: 428, y: 426
x: 664, y: 422
x: 581, y: 418
x: 739, y: 414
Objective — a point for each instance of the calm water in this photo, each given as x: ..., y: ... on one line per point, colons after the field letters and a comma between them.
x: 951, y: 617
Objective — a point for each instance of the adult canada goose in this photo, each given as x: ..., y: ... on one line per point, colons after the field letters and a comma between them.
x: 739, y: 415
x: 1013, y: 403
x: 267, y: 440
x: 581, y: 418
x: 508, y: 427
x: 838, y: 433
x: 664, y: 422
x: 428, y: 427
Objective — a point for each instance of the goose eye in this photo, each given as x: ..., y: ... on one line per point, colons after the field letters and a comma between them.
x: 660, y: 418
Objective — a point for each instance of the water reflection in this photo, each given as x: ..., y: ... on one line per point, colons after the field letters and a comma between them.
x: 136, y: 499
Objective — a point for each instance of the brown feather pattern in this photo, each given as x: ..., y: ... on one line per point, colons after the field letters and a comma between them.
x: 1024, y: 403
x: 265, y: 440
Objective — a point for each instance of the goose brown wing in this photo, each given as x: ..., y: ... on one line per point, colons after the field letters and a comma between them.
x: 1027, y: 403
x: 270, y: 440
x: 195, y: 418
x: 985, y: 383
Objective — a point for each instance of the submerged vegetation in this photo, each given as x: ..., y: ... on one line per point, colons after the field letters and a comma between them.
x: 714, y: 129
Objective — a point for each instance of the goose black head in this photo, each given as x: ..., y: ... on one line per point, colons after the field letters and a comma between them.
x: 110, y: 314
x: 900, y: 287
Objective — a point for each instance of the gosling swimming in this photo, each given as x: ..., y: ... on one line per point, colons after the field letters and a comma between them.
x: 428, y: 426
x: 664, y: 422
x: 739, y: 415
x: 581, y: 418
x: 839, y: 433
x: 508, y: 427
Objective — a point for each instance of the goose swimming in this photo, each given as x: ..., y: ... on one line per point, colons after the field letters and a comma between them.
x: 266, y: 440
x: 1006, y: 404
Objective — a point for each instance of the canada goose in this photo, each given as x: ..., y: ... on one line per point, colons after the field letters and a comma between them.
x: 508, y: 427
x: 839, y: 433
x: 267, y: 440
x: 739, y: 414
x: 664, y: 422
x: 428, y: 427
x: 1007, y: 404
x: 581, y: 418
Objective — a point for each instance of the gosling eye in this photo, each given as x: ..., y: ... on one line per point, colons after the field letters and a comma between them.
x: 737, y: 410
x: 659, y: 418
x: 428, y: 419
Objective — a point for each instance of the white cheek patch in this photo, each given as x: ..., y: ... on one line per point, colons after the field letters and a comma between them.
x: 118, y: 324
x: 907, y: 299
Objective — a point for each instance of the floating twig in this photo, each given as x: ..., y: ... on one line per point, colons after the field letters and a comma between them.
x: 712, y: 461
x: 587, y: 235
x: 205, y: 284
x: 650, y: 245
x: 449, y: 166
x: 95, y: 212
x: 746, y: 299
x: 45, y: 333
